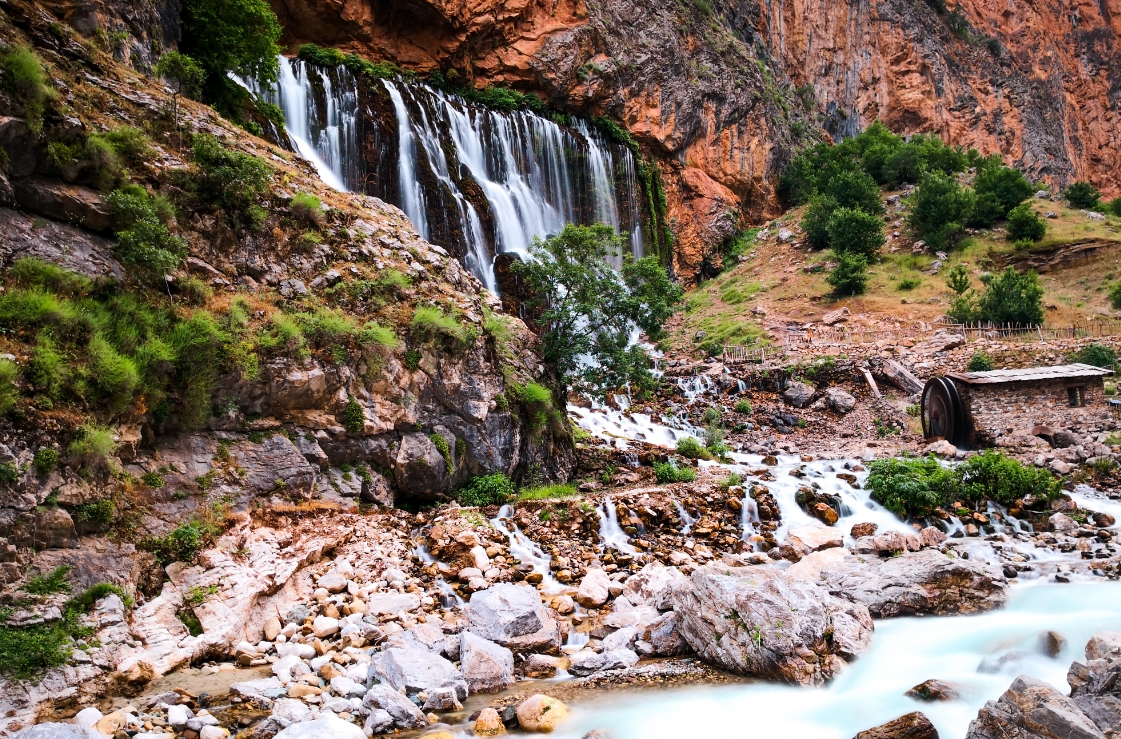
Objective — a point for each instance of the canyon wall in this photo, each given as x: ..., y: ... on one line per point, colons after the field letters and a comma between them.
x: 720, y: 95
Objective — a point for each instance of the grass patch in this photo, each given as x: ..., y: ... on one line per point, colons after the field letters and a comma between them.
x: 485, y: 490
x: 667, y: 472
x: 548, y: 492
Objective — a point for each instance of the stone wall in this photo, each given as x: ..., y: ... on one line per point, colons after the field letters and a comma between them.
x: 1017, y: 407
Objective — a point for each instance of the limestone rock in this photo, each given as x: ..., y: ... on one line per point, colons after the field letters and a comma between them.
x: 798, y: 394
x: 53, y: 730
x: 489, y: 723
x: 486, y: 666
x: 839, y: 400
x: 933, y: 690
x: 540, y: 665
x: 275, y: 463
x: 1095, y: 686
x: 513, y: 616
x: 594, y: 589
x: 1032, y: 709
x: 420, y: 468
x: 327, y: 725
x: 403, y: 711
x: 416, y: 669
x: 59, y: 201
x: 812, y: 538
x: 758, y: 621
x: 910, y: 726
x: 541, y: 713
x: 653, y: 585
x: 586, y: 662
x: 1103, y: 645
x: 925, y: 582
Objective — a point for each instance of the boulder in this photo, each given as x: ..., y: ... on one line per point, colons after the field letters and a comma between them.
x: 1032, y: 709
x: 489, y: 723
x: 653, y: 586
x: 911, y: 726
x: 382, y: 603
x: 541, y: 713
x: 1103, y: 645
x: 404, y: 713
x: 1095, y: 687
x: 661, y: 637
x: 757, y: 621
x: 419, y: 469
x: 585, y: 662
x: 866, y: 528
x: 812, y: 538
x: 594, y: 589
x: 798, y: 394
x: 840, y: 401
x: 540, y: 665
x: 1062, y: 522
x: 73, y: 204
x: 52, y: 730
x: 416, y: 670
x: 327, y: 725
x: 324, y: 626
x: 486, y: 666
x: 809, y: 568
x: 836, y: 316
x: 933, y: 690
x: 918, y: 583
x: 275, y: 463
x: 513, y: 616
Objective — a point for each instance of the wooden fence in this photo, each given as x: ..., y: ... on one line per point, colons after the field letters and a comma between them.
x: 1005, y: 332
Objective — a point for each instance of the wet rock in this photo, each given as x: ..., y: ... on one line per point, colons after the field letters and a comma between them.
x: 1095, y: 686
x: 913, y: 725
x: 933, y: 690
x: 416, y: 669
x: 594, y: 589
x: 441, y: 699
x: 1104, y: 645
x: 798, y: 394
x: 941, y: 448
x: 925, y: 582
x: 52, y: 730
x: 540, y: 665
x: 1051, y: 643
x: 758, y: 621
x: 653, y: 586
x: 586, y: 662
x: 1062, y: 522
x: 541, y: 713
x: 1032, y: 709
x: 404, y: 713
x: 809, y: 568
x: 263, y: 688
x: 513, y: 616
x: 863, y: 529
x: 489, y: 723
x: 327, y: 725
x: 661, y: 638
x: 814, y: 538
x: 486, y: 666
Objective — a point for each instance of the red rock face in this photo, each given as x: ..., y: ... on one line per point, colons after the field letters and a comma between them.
x: 720, y: 94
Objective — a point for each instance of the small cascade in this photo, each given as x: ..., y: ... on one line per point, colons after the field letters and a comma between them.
x: 610, y: 533
x: 320, y: 106
x: 694, y: 387
x: 686, y: 520
x: 749, y: 516
x: 533, y: 176
x: 448, y: 597
x: 524, y: 549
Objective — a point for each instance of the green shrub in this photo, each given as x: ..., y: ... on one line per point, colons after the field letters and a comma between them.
x: 850, y: 276
x: 536, y: 400
x: 548, y: 492
x: 188, y: 539
x: 742, y: 406
x: 115, y: 374
x: 1023, y: 223
x: 1002, y: 188
x: 25, y: 652
x: 445, y: 451
x: 238, y: 36
x: 92, y: 443
x: 1097, y: 355
x: 1011, y: 297
x: 909, y: 283
x: 412, y: 359
x: 430, y: 324
x: 939, y: 209
x: 912, y: 487
x: 667, y: 472
x: 815, y: 221
x: 100, y: 512
x: 194, y: 290
x: 26, y: 80
x: 1115, y: 295
x: 979, y: 362
x: 197, y: 342
x: 854, y: 189
x: 373, y: 335
x: 231, y: 179
x: 45, y: 460
x: 306, y: 207
x: 853, y: 231
x: 153, y: 479
x: 9, y: 473
x: 486, y: 490
x: 353, y: 417
x: 1003, y: 479
x: 1114, y: 207
x: 143, y: 240
x: 29, y: 272
x: 50, y: 583
x: 1083, y: 196
x: 130, y: 143
x: 691, y: 448
x: 8, y: 392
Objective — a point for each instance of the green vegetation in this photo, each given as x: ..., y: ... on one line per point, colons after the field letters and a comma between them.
x: 548, y: 492
x: 27, y: 81
x: 430, y: 324
x: 916, y: 487
x: 692, y: 449
x: 50, y: 583
x: 183, y: 75
x: 1115, y: 295
x: 587, y: 309
x: 185, y: 542
x: 306, y: 207
x: 979, y: 362
x: 153, y: 479
x: 1025, y: 225
x: 353, y: 417
x: 850, y: 276
x: 329, y: 57
x: 854, y: 231
x: 1009, y: 297
x: 230, y: 179
x: 742, y: 406
x: 486, y: 490
x: 100, y: 512
x: 9, y: 371
x: 667, y: 472
x: 445, y: 451
x: 1083, y: 196
x: 939, y: 209
x: 536, y: 401
x: 143, y: 238
x: 92, y: 444
x: 199, y: 594
x: 1096, y: 354
x: 999, y: 190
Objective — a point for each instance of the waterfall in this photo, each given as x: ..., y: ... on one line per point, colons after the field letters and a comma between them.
x: 493, y: 180
x: 610, y: 532
x: 523, y: 549
x: 320, y: 107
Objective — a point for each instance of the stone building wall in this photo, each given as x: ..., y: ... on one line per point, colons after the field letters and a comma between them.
x: 1017, y: 407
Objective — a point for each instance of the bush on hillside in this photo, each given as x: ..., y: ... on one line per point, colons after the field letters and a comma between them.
x: 1012, y: 297
x: 912, y: 487
x: 232, y: 180
x: 979, y: 362
x: 939, y: 209
x: 1024, y: 224
x: 850, y: 276
x: 26, y: 80
x: 486, y: 490
x: 854, y: 189
x: 1096, y: 354
x: 1003, y: 479
x: 1083, y: 195
x: 854, y: 231
x: 815, y: 221
x: 999, y: 189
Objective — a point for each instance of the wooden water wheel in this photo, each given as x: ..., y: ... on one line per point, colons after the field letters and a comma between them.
x: 943, y: 415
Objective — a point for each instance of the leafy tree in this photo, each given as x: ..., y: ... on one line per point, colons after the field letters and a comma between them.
x: 1083, y: 195
x: 1023, y: 223
x: 1011, y: 297
x: 939, y: 208
x: 1114, y: 207
x: 855, y: 189
x: 183, y: 74
x: 919, y: 155
x: 232, y: 179
x: 850, y: 276
x: 854, y: 231
x: 957, y: 279
x: 815, y: 221
x: 1007, y: 186
x: 143, y: 240
x: 238, y: 36
x: 1115, y: 295
x: 585, y: 308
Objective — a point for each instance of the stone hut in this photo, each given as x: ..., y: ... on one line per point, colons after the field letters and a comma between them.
x: 974, y: 408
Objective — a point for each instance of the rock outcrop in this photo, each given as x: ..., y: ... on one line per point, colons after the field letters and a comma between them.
x: 913, y: 725
x: 1032, y: 709
x: 757, y: 621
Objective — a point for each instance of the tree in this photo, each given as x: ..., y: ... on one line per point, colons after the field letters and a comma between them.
x: 939, y: 208
x: 1023, y: 223
x: 855, y: 189
x: 957, y: 279
x: 183, y: 74
x: 815, y: 221
x: 1083, y: 195
x: 238, y: 36
x: 853, y: 231
x: 850, y: 276
x: 1011, y: 297
x: 588, y: 310
x: 1008, y: 187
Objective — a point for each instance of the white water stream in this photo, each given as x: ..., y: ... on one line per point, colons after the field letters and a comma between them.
x: 523, y: 549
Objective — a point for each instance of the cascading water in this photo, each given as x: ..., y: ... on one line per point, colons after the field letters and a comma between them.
x: 448, y: 597
x: 533, y: 174
x: 524, y: 550
x: 320, y: 106
x: 610, y: 533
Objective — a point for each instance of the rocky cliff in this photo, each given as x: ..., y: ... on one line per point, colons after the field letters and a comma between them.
x: 720, y: 94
